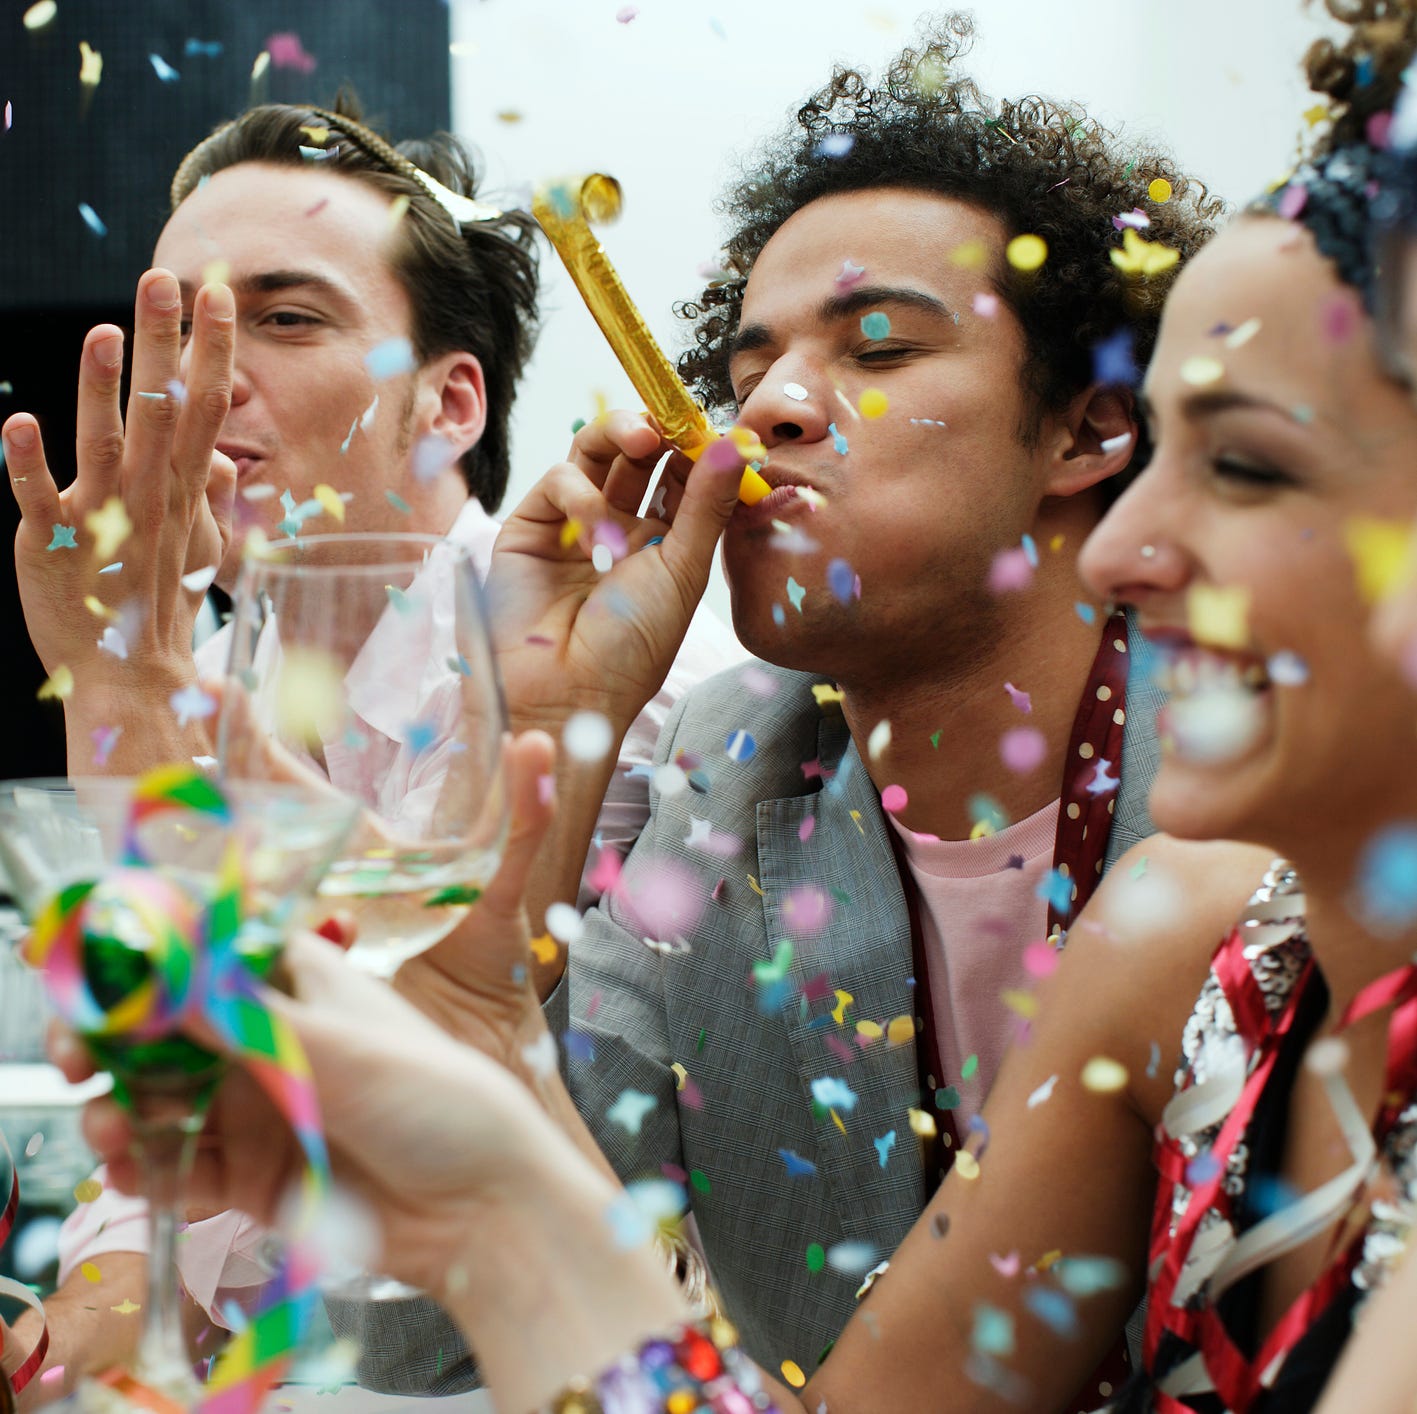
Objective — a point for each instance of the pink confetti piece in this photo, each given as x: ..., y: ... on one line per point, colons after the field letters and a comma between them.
x: 625, y: 14
x: 806, y: 910
x: 1339, y: 319
x: 1010, y: 570
x: 849, y: 274
x: 1019, y: 698
x: 807, y: 828
x: 1294, y: 200
x: 1039, y: 960
x: 894, y: 799
x: 9, y: 122
x: 986, y: 306
x: 1023, y: 749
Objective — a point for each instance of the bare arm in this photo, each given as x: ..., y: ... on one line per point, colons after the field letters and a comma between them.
x: 85, y: 1336
x: 1067, y: 1171
x: 1378, y: 1372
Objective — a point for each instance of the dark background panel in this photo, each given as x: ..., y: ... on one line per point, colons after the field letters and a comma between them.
x: 116, y: 149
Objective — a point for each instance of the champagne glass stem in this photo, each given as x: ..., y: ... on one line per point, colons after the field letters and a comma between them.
x: 166, y: 1123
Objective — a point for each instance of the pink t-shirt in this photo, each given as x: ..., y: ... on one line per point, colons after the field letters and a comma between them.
x: 979, y: 909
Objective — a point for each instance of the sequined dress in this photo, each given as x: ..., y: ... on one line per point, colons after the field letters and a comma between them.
x: 1222, y: 1212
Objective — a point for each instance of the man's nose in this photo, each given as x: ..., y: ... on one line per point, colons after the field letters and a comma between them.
x: 792, y: 403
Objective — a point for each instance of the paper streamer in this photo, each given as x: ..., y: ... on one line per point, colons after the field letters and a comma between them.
x: 564, y: 212
x: 198, y: 970
x: 29, y: 1366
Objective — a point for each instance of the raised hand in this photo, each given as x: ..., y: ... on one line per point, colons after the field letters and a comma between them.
x: 151, y: 495
x: 476, y: 983
x: 571, y: 635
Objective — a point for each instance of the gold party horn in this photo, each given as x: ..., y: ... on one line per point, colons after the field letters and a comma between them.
x: 564, y: 212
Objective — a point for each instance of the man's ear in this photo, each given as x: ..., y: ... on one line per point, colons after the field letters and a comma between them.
x: 459, y: 398
x: 1094, y: 439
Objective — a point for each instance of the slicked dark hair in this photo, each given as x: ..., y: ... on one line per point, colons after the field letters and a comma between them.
x: 1039, y: 166
x: 472, y: 287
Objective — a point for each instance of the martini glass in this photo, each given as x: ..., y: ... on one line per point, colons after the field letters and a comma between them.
x: 57, y: 835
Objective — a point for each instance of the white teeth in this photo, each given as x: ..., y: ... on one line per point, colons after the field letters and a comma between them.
x: 1218, y: 724
x: 1199, y: 672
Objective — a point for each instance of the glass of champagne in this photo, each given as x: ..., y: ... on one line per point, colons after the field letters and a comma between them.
x: 362, y: 664
x: 138, y: 875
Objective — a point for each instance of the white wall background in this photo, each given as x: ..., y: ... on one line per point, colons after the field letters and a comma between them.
x: 670, y: 101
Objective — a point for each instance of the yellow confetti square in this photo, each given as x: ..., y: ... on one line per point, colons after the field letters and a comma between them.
x: 1382, y: 555
x: 109, y: 526
x: 1219, y: 615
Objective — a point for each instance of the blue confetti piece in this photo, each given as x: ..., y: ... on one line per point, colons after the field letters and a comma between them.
x: 92, y: 220
x: 884, y: 1145
x: 460, y: 666
x: 398, y: 503
x: 579, y: 1047
x: 316, y: 154
x: 1057, y: 889
x: 833, y: 1094
x: 841, y: 580
x: 1113, y: 360
x: 419, y: 736
x: 1387, y: 877
x: 1055, y: 1309
x: 838, y: 441
x: 947, y: 1098
x: 796, y: 593
x: 1089, y: 1276
x: 876, y: 325
x: 779, y: 615
x: 993, y: 1331
x: 389, y: 359
x: 65, y: 538
x: 163, y: 69
x: 797, y: 1166
x: 834, y: 145
x: 1085, y: 612
x: 202, y: 49
x: 740, y: 746
x: 1030, y: 550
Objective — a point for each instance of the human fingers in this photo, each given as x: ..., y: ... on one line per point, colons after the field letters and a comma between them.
x: 153, y: 409
x: 530, y: 762
x: 33, y: 486
x: 207, y: 398
x: 98, y: 439
x: 596, y: 446
x: 709, y: 499
x: 567, y: 499
x: 69, y: 1054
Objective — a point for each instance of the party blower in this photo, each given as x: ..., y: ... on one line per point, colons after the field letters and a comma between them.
x: 565, y: 211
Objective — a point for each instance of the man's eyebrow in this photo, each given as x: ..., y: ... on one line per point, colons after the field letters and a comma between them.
x: 269, y: 282
x: 863, y: 299
x: 868, y: 297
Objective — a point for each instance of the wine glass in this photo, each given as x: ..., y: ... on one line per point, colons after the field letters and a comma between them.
x: 131, y: 875
x: 363, y: 664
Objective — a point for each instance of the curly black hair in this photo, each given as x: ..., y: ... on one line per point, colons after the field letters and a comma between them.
x: 472, y: 286
x: 1040, y: 166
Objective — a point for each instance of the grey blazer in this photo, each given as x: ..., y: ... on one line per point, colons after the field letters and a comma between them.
x: 769, y: 1173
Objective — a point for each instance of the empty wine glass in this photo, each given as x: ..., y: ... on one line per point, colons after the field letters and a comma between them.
x: 363, y: 664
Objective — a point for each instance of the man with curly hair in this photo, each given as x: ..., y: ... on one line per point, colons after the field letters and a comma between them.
x: 797, y: 989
